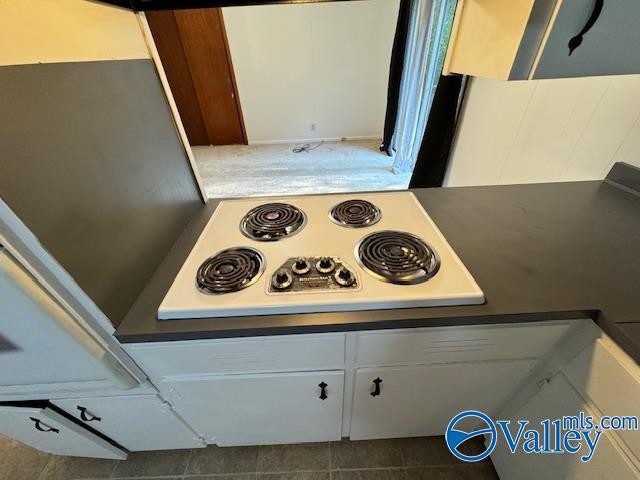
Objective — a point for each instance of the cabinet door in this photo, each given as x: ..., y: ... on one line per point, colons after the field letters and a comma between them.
x: 608, y: 48
x: 610, y: 379
x: 137, y: 422
x: 556, y: 400
x: 420, y: 401
x: 50, y: 432
x: 261, y: 409
x: 43, y: 348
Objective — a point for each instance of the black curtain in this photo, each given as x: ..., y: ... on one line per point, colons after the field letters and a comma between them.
x: 395, y: 74
x: 441, y: 125
x: 433, y: 156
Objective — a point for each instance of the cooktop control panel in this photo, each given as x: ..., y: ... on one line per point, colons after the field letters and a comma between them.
x: 313, y: 274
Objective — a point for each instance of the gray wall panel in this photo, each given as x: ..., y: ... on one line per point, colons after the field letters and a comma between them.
x: 91, y: 162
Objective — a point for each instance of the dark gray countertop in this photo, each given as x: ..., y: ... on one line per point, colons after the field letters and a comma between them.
x: 538, y: 251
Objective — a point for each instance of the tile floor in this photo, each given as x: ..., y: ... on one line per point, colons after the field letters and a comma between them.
x: 400, y: 459
x: 264, y: 170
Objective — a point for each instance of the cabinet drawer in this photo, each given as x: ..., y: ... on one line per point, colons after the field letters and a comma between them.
x: 137, y: 422
x: 261, y: 409
x: 611, y: 380
x: 48, y: 431
x: 455, y: 344
x: 241, y: 355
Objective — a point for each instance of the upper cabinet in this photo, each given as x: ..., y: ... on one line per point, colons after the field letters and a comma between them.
x: 531, y: 39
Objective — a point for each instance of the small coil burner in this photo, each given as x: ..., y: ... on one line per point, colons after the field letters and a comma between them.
x: 230, y: 270
x: 272, y: 221
x: 397, y: 257
x: 355, y: 213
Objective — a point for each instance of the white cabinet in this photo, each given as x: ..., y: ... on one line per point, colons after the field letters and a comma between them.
x: 529, y: 39
x: 278, y: 353
x: 248, y: 391
x: 458, y: 344
x: 43, y: 349
x: 263, y: 390
x: 554, y: 400
x: 427, y: 376
x: 137, y: 422
x: 260, y: 408
x: 609, y: 379
x: 50, y: 432
x: 421, y: 400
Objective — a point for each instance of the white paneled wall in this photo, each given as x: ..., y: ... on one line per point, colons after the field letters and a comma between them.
x: 312, y: 71
x: 546, y: 130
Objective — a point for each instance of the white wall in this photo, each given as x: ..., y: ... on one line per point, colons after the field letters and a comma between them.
x: 51, y: 31
x: 546, y: 130
x: 325, y: 64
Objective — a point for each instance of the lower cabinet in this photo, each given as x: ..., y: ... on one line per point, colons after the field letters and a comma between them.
x: 51, y: 432
x: 137, y: 422
x: 260, y: 408
x: 606, y: 376
x: 421, y: 400
x: 555, y: 400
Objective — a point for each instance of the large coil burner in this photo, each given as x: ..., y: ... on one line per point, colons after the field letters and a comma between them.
x: 397, y: 257
x: 230, y: 270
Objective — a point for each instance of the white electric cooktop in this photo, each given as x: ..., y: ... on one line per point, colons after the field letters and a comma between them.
x: 319, y: 253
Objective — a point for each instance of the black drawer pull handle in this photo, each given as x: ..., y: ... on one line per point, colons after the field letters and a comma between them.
x: 376, y: 390
x: 38, y: 425
x: 86, y: 416
x: 323, y: 391
x: 576, y: 41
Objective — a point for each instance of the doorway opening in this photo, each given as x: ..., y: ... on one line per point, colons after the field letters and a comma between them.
x: 284, y: 99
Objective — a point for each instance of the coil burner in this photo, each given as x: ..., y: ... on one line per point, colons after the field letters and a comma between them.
x: 397, y: 257
x: 230, y: 270
x: 355, y: 214
x: 272, y: 221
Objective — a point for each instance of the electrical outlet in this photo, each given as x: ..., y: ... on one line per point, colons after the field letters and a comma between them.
x: 312, y: 127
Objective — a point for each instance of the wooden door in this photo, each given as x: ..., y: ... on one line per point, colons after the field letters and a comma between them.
x: 192, y: 45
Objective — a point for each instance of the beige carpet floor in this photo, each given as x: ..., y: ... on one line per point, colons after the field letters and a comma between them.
x: 266, y: 170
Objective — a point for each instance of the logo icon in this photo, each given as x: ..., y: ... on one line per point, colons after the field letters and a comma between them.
x: 457, y: 434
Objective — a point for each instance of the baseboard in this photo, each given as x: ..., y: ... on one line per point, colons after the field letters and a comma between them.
x: 314, y: 140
